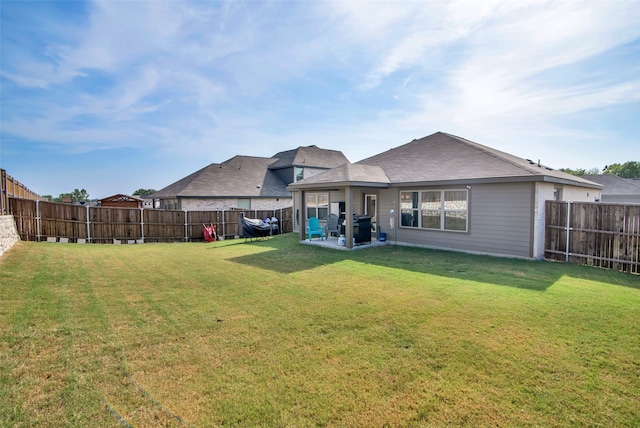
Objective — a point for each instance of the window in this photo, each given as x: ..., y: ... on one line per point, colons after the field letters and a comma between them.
x: 244, y: 204
x: 317, y: 205
x: 170, y: 204
x: 299, y: 173
x: 409, y: 209
x: 435, y: 209
x: 557, y: 192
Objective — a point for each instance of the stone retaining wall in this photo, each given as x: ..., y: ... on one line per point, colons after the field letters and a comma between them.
x: 8, y: 233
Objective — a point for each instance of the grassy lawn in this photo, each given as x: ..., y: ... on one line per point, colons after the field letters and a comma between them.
x: 273, y: 333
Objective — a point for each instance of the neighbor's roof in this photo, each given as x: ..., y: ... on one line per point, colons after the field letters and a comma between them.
x: 240, y: 176
x: 614, y: 185
x: 347, y: 174
x: 442, y: 157
x: 310, y: 156
x: 120, y: 197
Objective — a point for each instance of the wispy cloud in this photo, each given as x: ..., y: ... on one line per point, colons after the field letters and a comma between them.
x: 179, y: 79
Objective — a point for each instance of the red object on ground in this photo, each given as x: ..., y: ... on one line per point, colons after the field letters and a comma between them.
x: 210, y: 233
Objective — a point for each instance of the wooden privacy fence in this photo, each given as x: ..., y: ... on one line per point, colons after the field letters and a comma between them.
x: 595, y: 234
x: 12, y: 188
x: 39, y: 220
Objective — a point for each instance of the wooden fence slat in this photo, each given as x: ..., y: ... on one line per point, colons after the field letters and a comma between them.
x: 38, y: 220
x: 602, y: 235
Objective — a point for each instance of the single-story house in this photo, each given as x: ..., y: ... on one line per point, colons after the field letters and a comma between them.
x: 617, y: 189
x: 247, y: 182
x: 121, y: 201
x: 446, y: 192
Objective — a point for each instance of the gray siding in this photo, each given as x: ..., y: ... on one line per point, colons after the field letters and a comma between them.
x: 500, y: 218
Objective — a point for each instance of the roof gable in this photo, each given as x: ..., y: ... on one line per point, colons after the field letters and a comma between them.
x: 309, y: 156
x: 445, y: 157
x: 614, y: 185
x: 348, y: 173
x: 121, y: 198
x: 240, y: 176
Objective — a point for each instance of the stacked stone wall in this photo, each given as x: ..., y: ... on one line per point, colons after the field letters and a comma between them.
x: 8, y: 233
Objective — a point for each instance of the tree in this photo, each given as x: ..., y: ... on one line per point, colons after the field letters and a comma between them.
x: 629, y: 169
x: 76, y: 195
x: 581, y: 171
x: 144, y: 192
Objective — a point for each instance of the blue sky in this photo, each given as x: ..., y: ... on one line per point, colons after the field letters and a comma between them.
x: 113, y: 96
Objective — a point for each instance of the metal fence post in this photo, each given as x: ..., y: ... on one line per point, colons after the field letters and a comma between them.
x: 37, y: 220
x: 142, y: 223
x: 223, y: 223
x: 88, y: 224
x: 186, y: 227
x: 566, y: 256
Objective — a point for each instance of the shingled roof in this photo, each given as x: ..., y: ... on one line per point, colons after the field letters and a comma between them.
x: 309, y: 156
x: 442, y: 157
x: 249, y: 176
x: 347, y: 174
x: 616, y: 186
x: 240, y: 176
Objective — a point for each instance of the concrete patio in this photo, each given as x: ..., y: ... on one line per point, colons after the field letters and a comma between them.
x: 332, y: 242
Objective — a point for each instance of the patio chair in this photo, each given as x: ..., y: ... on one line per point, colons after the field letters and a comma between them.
x: 332, y: 225
x: 314, y: 228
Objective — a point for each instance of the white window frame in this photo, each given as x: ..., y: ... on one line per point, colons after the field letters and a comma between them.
x: 417, y: 208
x: 243, y: 203
x: 170, y: 204
x: 316, y: 202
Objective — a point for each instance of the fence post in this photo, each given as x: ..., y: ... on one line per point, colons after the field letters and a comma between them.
x: 4, y: 200
x: 88, y: 224
x: 38, y: 220
x: 142, y: 223
x: 186, y: 227
x: 566, y: 256
x: 224, y: 223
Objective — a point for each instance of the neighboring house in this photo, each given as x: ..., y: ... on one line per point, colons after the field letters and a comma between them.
x: 121, y: 201
x: 617, y: 189
x: 443, y: 191
x: 247, y: 182
x: 148, y: 202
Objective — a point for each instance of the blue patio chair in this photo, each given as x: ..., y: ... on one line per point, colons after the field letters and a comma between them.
x: 314, y: 228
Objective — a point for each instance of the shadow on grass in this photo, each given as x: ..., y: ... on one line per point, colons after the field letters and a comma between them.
x: 287, y: 256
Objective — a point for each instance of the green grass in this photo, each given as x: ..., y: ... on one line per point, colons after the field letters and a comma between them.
x: 274, y: 333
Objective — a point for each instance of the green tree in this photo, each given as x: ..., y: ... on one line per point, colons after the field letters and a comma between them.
x: 144, y: 192
x: 629, y: 169
x: 581, y: 171
x: 79, y: 195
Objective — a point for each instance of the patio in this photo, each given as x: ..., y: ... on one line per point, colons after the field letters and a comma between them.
x: 332, y: 242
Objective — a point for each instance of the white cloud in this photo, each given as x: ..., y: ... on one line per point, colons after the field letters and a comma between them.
x: 186, y: 78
